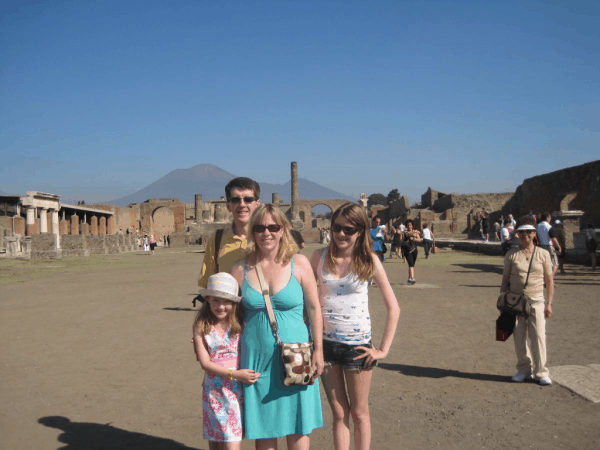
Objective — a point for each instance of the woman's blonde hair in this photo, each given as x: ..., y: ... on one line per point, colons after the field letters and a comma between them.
x: 205, y: 319
x: 362, y: 255
x: 287, y: 245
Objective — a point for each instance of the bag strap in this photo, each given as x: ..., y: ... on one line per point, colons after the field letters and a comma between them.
x: 265, y: 292
x: 218, y: 237
x: 529, y: 270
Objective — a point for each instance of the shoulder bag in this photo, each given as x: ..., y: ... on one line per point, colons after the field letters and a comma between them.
x: 515, y: 303
x: 297, y: 356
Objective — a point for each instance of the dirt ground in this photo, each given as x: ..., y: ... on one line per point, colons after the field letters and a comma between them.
x: 96, y: 354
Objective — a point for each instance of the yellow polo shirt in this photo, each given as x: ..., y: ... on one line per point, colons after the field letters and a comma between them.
x: 233, y: 248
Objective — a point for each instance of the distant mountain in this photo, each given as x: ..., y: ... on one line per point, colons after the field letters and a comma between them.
x: 210, y: 180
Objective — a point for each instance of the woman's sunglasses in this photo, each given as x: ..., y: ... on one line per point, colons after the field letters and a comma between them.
x: 348, y: 231
x: 237, y: 200
x: 273, y: 228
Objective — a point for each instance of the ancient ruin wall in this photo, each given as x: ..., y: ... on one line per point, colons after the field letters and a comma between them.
x: 579, y: 186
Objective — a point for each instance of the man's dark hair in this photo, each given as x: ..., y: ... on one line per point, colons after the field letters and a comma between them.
x: 242, y: 183
x: 546, y: 216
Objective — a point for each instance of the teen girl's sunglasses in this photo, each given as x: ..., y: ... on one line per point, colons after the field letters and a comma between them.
x: 273, y: 228
x: 348, y: 231
x: 237, y: 200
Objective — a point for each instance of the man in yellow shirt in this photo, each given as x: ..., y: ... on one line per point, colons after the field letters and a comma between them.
x: 243, y: 197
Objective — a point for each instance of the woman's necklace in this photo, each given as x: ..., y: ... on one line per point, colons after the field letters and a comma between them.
x: 527, y: 252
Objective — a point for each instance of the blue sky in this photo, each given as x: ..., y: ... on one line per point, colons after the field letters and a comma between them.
x: 101, y: 98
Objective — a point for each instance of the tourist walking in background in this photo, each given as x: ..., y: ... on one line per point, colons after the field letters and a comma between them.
x: 547, y: 240
x: 505, y: 239
x: 146, y: 244
x: 272, y: 409
x: 512, y: 223
x: 378, y: 236
x: 496, y: 230
x: 427, y: 240
x: 530, y: 329
x: 216, y: 334
x: 409, y: 248
x: 484, y: 226
x: 591, y: 243
x: 397, y: 241
x: 152, y: 243
x: 558, y: 231
x: 228, y: 245
x: 343, y: 270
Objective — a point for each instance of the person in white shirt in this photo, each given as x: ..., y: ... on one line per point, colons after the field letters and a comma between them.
x: 427, y: 240
x: 547, y: 241
x: 505, y: 239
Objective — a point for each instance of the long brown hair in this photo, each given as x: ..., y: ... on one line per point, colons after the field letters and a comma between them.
x: 287, y: 245
x: 362, y: 254
x: 205, y: 319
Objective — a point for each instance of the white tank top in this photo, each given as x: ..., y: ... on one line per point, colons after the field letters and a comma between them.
x: 345, y: 306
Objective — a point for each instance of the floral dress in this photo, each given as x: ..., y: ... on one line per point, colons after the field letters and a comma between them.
x: 222, y: 397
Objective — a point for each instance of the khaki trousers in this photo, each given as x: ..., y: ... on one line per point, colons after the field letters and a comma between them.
x: 530, y: 340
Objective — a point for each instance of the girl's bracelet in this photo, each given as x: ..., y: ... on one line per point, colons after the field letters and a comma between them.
x: 230, y: 374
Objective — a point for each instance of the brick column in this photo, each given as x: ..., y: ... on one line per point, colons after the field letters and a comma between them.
x: 85, y: 228
x: 94, y: 226
x: 102, y: 227
x: 110, y: 225
x: 30, y: 227
x: 74, y: 224
x: 19, y: 226
x: 64, y: 227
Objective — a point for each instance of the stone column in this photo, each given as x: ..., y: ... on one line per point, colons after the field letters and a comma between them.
x: 102, y: 227
x: 55, y: 221
x: 30, y: 226
x: 295, y: 194
x: 43, y: 220
x: 198, y: 207
x: 570, y: 220
x: 275, y: 199
x: 55, y: 227
x: 220, y: 212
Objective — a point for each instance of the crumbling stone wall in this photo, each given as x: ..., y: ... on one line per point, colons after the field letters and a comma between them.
x: 579, y: 186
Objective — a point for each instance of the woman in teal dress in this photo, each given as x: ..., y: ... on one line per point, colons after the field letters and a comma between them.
x: 271, y: 409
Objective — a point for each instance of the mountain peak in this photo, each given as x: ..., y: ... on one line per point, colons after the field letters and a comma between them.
x: 210, y: 180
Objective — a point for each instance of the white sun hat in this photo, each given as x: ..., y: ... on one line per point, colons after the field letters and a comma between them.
x: 222, y: 285
x: 526, y: 228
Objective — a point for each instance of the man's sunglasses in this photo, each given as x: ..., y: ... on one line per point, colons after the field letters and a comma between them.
x: 237, y: 200
x: 348, y: 231
x: 273, y: 228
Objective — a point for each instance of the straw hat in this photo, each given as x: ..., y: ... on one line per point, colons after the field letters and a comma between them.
x: 222, y: 285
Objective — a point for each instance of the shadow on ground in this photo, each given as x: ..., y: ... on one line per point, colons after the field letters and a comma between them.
x: 95, y: 436
x: 488, y: 268
x: 434, y: 372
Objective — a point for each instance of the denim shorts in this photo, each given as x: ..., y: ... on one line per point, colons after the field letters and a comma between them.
x: 336, y: 353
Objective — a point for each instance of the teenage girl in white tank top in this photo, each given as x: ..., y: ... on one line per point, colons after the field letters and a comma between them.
x: 343, y: 270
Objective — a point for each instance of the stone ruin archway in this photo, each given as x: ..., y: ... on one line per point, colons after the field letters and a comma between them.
x: 163, y: 222
x: 320, y: 216
x: 306, y: 207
